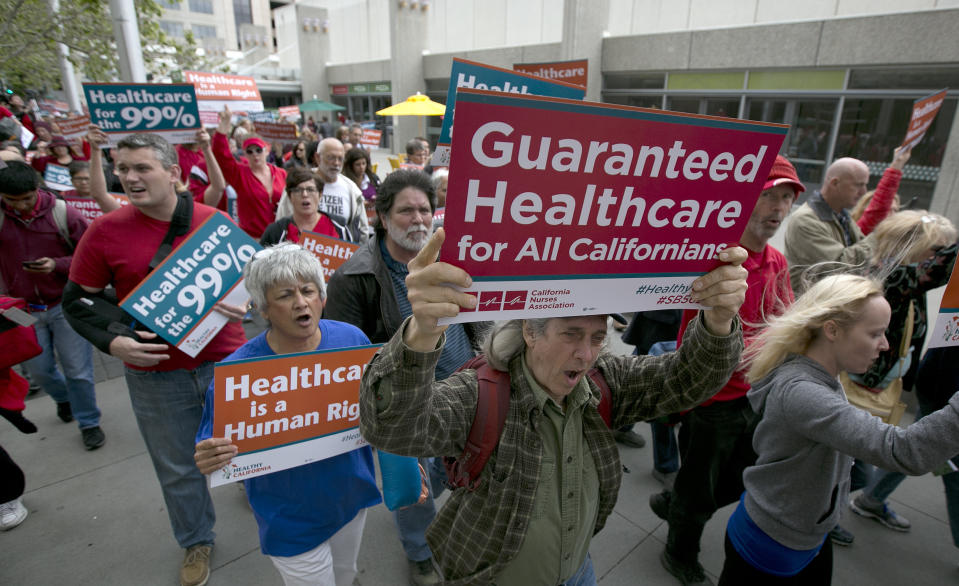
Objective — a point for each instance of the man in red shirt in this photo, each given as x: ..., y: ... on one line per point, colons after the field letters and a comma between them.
x: 167, y: 387
x: 715, y: 440
x: 258, y: 184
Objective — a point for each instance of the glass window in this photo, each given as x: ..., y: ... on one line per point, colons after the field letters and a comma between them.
x: 645, y: 101
x: 203, y: 31
x: 174, y: 29
x: 723, y: 107
x: 169, y: 4
x: 683, y: 104
x: 242, y: 13
x: 871, y: 129
x: 810, y: 122
x: 636, y: 81
x: 201, y: 6
x: 916, y: 77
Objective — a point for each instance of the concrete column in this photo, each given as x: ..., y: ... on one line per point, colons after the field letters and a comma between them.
x: 408, y: 32
x: 67, y: 75
x: 945, y: 199
x: 126, y: 31
x: 314, y: 49
x: 584, y: 22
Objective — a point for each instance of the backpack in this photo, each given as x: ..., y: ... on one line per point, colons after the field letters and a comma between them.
x: 60, y: 218
x: 492, y: 405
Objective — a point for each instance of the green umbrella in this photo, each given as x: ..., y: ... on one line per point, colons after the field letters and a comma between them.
x: 314, y: 105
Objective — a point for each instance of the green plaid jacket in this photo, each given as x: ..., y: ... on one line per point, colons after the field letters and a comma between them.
x: 477, y: 533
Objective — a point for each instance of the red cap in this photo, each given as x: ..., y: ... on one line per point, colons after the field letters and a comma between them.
x: 783, y: 173
x: 255, y: 141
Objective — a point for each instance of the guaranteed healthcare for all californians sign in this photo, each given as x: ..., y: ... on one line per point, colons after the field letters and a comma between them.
x: 472, y: 75
x: 121, y: 109
x: 560, y: 207
x: 290, y: 410
x: 176, y: 299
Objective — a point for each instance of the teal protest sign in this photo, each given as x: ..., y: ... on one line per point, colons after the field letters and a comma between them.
x: 176, y: 300
x: 122, y: 109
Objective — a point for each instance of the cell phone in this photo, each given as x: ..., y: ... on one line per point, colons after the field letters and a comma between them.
x: 32, y: 263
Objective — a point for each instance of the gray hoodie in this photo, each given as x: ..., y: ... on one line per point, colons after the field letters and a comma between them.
x: 806, y: 441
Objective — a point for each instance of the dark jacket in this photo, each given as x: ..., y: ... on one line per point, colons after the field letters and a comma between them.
x: 361, y: 293
x: 34, y: 238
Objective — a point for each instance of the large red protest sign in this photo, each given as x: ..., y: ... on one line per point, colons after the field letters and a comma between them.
x: 559, y: 207
x: 574, y: 72
x: 923, y: 113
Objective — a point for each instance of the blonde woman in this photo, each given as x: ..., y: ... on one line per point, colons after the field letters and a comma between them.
x: 809, y: 434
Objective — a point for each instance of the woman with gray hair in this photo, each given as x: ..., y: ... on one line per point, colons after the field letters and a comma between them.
x: 311, y: 518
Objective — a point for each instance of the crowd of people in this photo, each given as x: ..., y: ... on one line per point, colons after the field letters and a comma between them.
x: 756, y: 381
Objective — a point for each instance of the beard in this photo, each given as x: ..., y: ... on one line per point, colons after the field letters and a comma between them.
x: 413, y: 238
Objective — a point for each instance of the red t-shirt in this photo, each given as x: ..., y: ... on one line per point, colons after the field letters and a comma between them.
x: 118, y: 247
x: 255, y: 208
x: 768, y: 293
x: 324, y: 226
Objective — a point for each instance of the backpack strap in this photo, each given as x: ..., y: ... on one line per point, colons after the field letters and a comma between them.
x: 605, y: 407
x: 179, y: 225
x: 60, y: 218
x: 492, y: 406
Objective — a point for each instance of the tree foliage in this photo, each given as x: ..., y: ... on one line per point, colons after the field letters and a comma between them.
x: 30, y: 31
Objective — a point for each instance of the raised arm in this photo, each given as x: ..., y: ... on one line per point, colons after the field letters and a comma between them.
x: 98, y: 181
x: 214, y: 191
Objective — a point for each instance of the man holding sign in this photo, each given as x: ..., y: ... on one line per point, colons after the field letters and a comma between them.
x: 311, y: 517
x: 554, y: 440
x: 166, y: 386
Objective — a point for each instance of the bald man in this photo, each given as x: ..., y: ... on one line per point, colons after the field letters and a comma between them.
x: 342, y: 200
x: 822, y: 230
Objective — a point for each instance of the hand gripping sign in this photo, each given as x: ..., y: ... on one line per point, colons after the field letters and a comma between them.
x: 122, y: 109
x: 286, y: 411
x: 471, y: 75
x: 176, y: 299
x: 559, y: 207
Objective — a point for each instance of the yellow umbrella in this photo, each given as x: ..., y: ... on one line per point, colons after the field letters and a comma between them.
x: 416, y: 105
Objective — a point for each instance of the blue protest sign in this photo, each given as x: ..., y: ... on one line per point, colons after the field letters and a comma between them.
x: 176, y: 299
x: 470, y: 74
x: 57, y: 177
x: 121, y: 109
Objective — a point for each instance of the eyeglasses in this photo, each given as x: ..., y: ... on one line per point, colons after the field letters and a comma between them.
x: 306, y: 190
x: 254, y: 150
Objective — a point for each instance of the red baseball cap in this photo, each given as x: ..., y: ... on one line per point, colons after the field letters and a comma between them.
x: 783, y: 173
x: 255, y: 141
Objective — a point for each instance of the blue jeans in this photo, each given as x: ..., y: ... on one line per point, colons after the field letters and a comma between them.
x: 584, y: 576
x: 665, y: 448
x: 76, y: 357
x: 168, y: 407
x: 412, y: 521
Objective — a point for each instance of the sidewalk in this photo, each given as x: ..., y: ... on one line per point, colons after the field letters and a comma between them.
x: 98, y: 518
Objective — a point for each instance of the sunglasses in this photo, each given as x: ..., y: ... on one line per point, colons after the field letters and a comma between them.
x: 254, y: 150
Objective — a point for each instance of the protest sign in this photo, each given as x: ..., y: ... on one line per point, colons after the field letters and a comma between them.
x: 176, y: 299
x: 923, y: 113
x: 469, y: 74
x: 208, y: 119
x: 89, y: 208
x: 286, y: 411
x: 282, y: 132
x: 945, y: 331
x: 264, y: 116
x: 57, y: 177
x: 289, y: 112
x: 574, y: 72
x: 74, y: 127
x: 560, y: 207
x: 26, y: 137
x: 332, y: 252
x: 371, y: 138
x: 215, y: 90
x: 121, y: 109
x: 52, y: 106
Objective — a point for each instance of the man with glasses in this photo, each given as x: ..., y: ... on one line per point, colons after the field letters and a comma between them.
x: 167, y: 387
x: 342, y: 199
x: 369, y: 291
x: 258, y: 184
